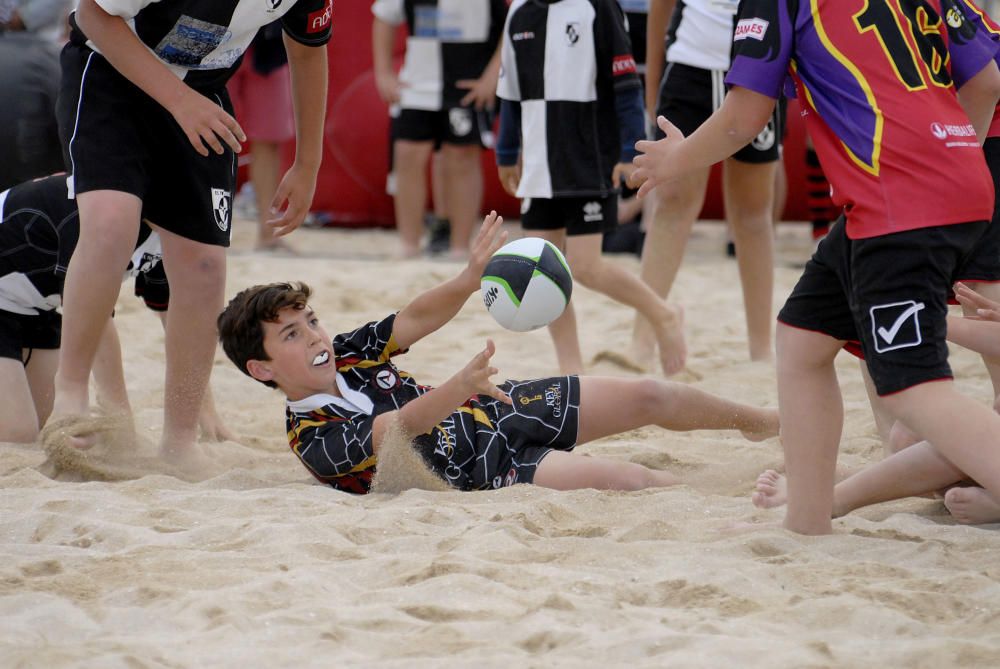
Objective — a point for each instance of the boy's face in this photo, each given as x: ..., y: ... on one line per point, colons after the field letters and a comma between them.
x: 301, y: 353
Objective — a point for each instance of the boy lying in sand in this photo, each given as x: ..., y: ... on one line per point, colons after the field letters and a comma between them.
x: 346, y: 398
x: 916, y: 469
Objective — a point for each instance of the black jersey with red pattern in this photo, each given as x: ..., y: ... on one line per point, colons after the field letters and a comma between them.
x: 471, y: 449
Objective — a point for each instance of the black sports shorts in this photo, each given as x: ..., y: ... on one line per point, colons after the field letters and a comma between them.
x: 461, y: 126
x: 689, y: 95
x: 578, y: 215
x: 20, y: 332
x: 887, y: 296
x: 115, y: 137
x: 984, y: 264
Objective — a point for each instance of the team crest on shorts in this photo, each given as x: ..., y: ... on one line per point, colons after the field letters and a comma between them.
x: 765, y: 140
x: 896, y: 325
x: 221, y: 208
x: 460, y: 120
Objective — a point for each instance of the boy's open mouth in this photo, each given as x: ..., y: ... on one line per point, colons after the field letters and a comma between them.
x: 321, y: 358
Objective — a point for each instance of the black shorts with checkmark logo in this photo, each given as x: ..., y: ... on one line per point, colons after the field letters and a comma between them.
x: 887, y: 298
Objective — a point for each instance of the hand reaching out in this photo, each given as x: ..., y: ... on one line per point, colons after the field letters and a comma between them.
x: 488, y: 241
x: 656, y: 163
x: 510, y: 178
x: 984, y: 308
x: 476, y: 375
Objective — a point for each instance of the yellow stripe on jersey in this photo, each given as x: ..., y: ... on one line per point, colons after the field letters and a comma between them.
x: 478, y: 415
x: 872, y: 168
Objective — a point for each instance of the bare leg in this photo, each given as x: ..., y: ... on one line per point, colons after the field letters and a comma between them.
x: 914, y: 471
x: 410, y: 165
x: 677, y: 208
x: 18, y: 417
x: 212, y: 426
x: 565, y: 471
x: 610, y: 406
x: 812, y: 419
x: 109, y: 374
x: 749, y: 196
x: 992, y: 291
x: 463, y: 189
x: 883, y: 420
x: 563, y: 329
x: 197, y: 274
x: 109, y: 227
x: 265, y: 173
x: 592, y: 270
x: 963, y: 431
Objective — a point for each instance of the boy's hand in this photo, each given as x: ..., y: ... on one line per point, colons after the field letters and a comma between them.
x: 295, y: 194
x: 389, y: 87
x: 622, y: 173
x: 656, y: 163
x: 488, y: 241
x: 985, y: 308
x: 510, y: 177
x: 206, y: 123
x: 476, y: 375
x: 482, y: 91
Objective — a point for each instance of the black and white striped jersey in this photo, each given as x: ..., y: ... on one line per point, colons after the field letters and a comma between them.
x: 701, y: 33
x: 39, y: 230
x: 449, y: 40
x: 202, y: 41
x: 565, y: 62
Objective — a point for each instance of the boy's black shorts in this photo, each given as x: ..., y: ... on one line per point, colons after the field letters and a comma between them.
x: 115, y: 137
x: 19, y: 332
x: 545, y: 416
x: 689, y: 95
x: 461, y: 126
x: 887, y: 296
x: 984, y: 264
x: 578, y: 215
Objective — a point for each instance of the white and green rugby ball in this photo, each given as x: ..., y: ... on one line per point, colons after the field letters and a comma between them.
x: 526, y: 284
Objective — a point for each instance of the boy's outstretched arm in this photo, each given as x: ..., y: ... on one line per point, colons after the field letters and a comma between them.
x: 743, y: 114
x: 978, y: 97
x: 205, y: 123
x: 435, y: 307
x: 423, y: 413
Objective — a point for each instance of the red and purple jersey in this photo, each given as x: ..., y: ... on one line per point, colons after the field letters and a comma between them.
x: 876, y: 79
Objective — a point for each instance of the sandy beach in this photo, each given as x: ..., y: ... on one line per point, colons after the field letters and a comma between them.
x: 260, y: 566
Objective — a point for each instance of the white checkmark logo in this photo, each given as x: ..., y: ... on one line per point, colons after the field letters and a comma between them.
x: 890, y: 334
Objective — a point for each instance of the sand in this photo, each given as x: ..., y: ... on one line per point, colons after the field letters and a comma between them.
x: 259, y: 566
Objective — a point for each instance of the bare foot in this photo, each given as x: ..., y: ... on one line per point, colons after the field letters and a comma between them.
x: 771, y: 490
x: 972, y: 506
x: 190, y: 462
x: 669, y: 332
x: 213, y: 429
x: 276, y: 245
x: 766, y: 427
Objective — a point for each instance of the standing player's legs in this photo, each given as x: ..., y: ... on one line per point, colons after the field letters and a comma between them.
x: 563, y: 330
x: 410, y: 166
x: 197, y: 275
x: 749, y: 200
x: 592, y: 269
x: 812, y: 419
x: 463, y: 190
x: 19, y: 419
x: 677, y: 207
x: 41, y: 372
x: 109, y: 227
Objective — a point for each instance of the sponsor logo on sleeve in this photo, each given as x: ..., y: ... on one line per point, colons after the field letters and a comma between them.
x: 624, y: 64
x: 750, y: 29
x: 319, y: 21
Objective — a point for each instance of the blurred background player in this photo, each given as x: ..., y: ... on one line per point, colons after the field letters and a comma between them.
x: 692, y: 52
x: 570, y: 114
x: 447, y: 83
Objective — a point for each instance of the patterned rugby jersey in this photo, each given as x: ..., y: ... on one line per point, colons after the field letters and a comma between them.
x: 877, y: 84
x: 448, y: 40
x: 39, y: 230
x: 481, y: 445
x: 564, y: 62
x: 202, y: 41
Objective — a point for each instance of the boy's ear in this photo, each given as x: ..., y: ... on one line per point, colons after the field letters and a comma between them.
x: 260, y: 370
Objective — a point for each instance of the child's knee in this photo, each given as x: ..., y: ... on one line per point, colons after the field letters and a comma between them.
x: 900, y: 437
x: 650, y: 395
